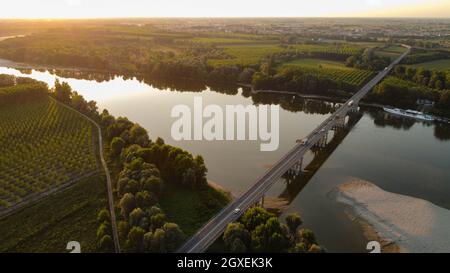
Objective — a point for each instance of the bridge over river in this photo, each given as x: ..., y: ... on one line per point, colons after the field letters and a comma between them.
x: 290, y: 162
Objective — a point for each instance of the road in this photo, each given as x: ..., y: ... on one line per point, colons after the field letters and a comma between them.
x: 215, y: 227
x: 108, y: 177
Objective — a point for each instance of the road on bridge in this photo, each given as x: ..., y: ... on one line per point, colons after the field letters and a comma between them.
x: 216, y: 226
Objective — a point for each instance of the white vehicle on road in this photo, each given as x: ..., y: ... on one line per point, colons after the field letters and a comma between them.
x: 303, y: 142
x: 236, y: 210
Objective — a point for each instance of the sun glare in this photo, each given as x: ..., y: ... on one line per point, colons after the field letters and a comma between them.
x: 231, y: 8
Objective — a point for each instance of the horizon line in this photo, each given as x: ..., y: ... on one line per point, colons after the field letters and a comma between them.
x: 225, y: 17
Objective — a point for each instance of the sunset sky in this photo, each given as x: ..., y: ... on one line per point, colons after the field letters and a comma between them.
x: 222, y: 8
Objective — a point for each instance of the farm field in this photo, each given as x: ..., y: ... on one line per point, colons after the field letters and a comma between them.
x: 391, y: 52
x: 254, y: 53
x: 395, y: 49
x: 343, y: 49
x: 318, y: 63
x: 224, y: 40
x: 246, y: 55
x: 334, y: 70
x: 48, y: 225
x: 42, y: 146
x: 438, y: 65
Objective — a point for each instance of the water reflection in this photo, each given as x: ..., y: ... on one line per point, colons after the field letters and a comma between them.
x: 295, y: 183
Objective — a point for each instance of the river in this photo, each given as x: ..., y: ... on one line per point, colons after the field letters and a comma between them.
x: 399, y: 155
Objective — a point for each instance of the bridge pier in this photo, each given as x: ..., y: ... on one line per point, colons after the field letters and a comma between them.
x: 354, y: 108
x: 322, y: 143
x: 296, y: 168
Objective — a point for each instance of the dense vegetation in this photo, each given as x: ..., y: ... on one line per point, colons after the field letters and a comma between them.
x: 431, y: 78
x: 43, y: 145
x: 421, y: 56
x: 408, y: 84
x: 367, y: 59
x: 260, y: 231
x: 150, y: 174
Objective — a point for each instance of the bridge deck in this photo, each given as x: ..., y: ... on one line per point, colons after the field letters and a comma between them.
x: 215, y: 227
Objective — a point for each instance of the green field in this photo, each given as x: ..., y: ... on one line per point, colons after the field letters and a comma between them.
x: 344, y: 49
x: 438, y: 65
x: 254, y: 53
x: 391, y: 52
x: 43, y: 145
x: 190, y: 209
x: 334, y: 70
x: 318, y: 63
x: 224, y: 40
x: 50, y: 224
x: 395, y: 49
x: 246, y: 55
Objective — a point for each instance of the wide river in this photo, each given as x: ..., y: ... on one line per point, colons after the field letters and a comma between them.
x: 399, y: 155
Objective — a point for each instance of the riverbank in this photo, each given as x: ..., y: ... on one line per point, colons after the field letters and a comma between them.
x: 406, y: 224
x: 437, y: 118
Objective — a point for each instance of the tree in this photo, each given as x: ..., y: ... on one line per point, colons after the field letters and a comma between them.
x: 139, y: 135
x: 306, y: 236
x: 117, y: 144
x: 123, y: 229
x: 135, y: 216
x: 293, y: 221
x: 7, y: 80
x: 103, y: 216
x: 255, y: 217
x: 144, y: 199
x: 300, y: 248
x: 236, y: 231
x: 189, y: 178
x: 102, y: 230
x: 173, y: 236
x: 63, y: 91
x: 135, y: 241
x: 127, y: 204
x: 315, y: 249
x: 152, y: 184
x: 148, y: 237
x: 158, y: 243
x: 246, y: 75
x: 444, y: 101
x: 270, y: 237
x: 159, y: 141
x: 106, y: 243
x: 157, y: 221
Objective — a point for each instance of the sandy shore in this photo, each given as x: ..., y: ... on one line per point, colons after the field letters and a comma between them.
x: 411, y: 224
x: 218, y: 187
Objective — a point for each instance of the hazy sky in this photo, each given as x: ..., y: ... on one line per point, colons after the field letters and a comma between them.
x: 221, y: 8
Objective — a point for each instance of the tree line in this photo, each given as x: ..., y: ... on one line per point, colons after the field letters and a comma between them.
x: 144, y: 166
x: 367, y: 59
x: 261, y: 231
x: 431, y: 78
x: 18, y: 89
